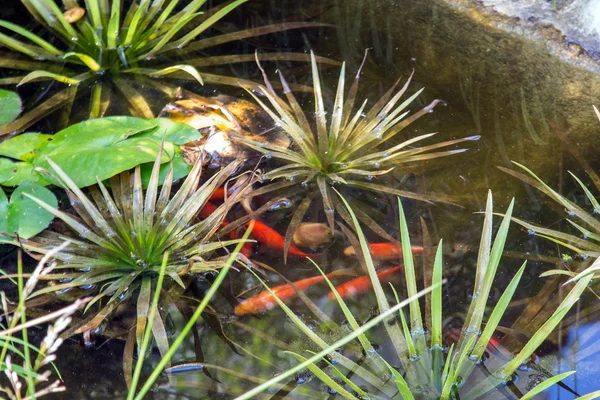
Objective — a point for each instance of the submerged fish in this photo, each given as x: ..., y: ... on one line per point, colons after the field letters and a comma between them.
x: 272, y: 239
x: 265, y: 301
x: 208, y: 209
x: 363, y: 283
x: 384, y: 251
x: 218, y: 194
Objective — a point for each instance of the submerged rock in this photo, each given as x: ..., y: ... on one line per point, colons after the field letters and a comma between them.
x: 220, y: 119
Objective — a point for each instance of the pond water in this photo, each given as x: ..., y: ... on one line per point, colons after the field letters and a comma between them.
x: 499, y: 86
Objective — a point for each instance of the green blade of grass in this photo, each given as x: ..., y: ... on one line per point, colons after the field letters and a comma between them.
x: 323, y: 377
x: 545, y: 385
x: 33, y: 37
x: 436, y: 300
x: 363, y: 340
x: 497, y: 314
x: 93, y: 9
x: 204, y: 25
x: 416, y: 320
x: 45, y: 76
x: 364, y: 328
x: 166, y: 71
x: 596, y: 394
x: 361, y: 393
x: 505, y: 372
x: 148, y: 327
x: 189, y: 326
x: 87, y: 60
x: 481, y: 292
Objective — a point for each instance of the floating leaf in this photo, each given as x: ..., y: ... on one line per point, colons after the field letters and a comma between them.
x: 22, y: 215
x: 24, y: 147
x: 180, y: 169
x: 101, y: 148
x: 7, y: 169
x: 10, y: 106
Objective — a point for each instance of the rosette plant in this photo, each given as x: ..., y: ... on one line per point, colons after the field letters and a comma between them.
x: 123, y: 236
x: 109, y: 42
x: 348, y: 150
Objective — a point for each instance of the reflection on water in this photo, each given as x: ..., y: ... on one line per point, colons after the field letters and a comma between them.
x: 494, y: 84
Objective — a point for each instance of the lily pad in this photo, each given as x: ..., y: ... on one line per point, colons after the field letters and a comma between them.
x: 24, y: 147
x: 10, y: 106
x: 15, y: 173
x: 101, y: 148
x: 180, y: 169
x: 7, y: 169
x: 22, y: 215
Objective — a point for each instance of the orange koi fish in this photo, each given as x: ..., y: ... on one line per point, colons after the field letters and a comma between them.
x: 362, y: 283
x: 218, y: 194
x: 272, y: 239
x: 264, y: 301
x: 384, y: 251
x: 207, y: 210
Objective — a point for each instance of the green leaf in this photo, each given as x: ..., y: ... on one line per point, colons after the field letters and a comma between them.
x: 45, y: 75
x: 87, y: 60
x: 180, y: 169
x: 108, y: 146
x: 22, y: 215
x: 10, y: 106
x: 166, y: 71
x: 24, y: 147
x: 18, y: 173
x: 7, y: 169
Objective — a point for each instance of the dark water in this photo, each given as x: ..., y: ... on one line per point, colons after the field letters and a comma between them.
x: 495, y: 85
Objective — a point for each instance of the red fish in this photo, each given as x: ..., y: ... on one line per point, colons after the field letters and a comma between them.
x: 264, y: 301
x: 218, y: 194
x: 272, y: 239
x: 384, y: 251
x: 208, y: 209
x: 362, y: 283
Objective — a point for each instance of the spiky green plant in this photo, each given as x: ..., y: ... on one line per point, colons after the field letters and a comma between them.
x: 427, y: 371
x: 350, y: 149
x: 587, y: 243
x: 115, y: 41
x: 121, y: 239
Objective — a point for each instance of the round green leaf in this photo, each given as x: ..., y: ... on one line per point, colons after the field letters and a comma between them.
x: 23, y: 215
x: 24, y: 147
x: 180, y: 169
x: 174, y: 132
x: 10, y: 106
x: 7, y: 170
x: 23, y: 172
x: 101, y: 148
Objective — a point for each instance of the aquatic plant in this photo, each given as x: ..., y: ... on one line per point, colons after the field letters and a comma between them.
x: 11, y: 106
x: 109, y: 42
x: 166, y: 358
x: 123, y: 238
x: 350, y: 149
x: 14, y: 350
x: 427, y: 372
x: 104, y: 146
x: 20, y: 215
x: 587, y: 243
